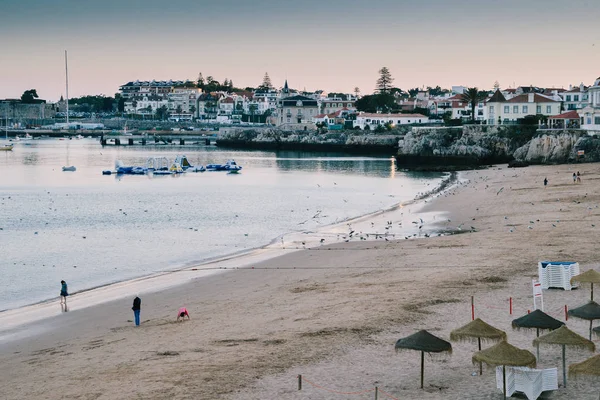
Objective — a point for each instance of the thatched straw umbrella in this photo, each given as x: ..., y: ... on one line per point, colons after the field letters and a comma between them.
x: 537, y: 320
x: 477, y: 329
x: 589, y: 276
x: 590, y: 311
x: 591, y: 366
x: 563, y: 336
x: 505, y: 354
x: 424, y: 342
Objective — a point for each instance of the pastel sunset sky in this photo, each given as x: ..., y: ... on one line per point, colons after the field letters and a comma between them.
x: 333, y: 45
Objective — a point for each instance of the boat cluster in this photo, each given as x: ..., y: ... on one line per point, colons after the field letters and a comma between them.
x: 162, y: 166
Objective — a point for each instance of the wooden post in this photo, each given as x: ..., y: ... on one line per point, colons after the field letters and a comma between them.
x: 566, y: 313
x: 592, y: 291
x: 422, y: 367
x: 299, y: 382
x: 510, y: 306
x: 564, y: 367
x: 591, y: 320
x: 130, y: 141
x: 504, y: 380
x: 480, y: 363
x: 376, y: 392
x: 472, y: 308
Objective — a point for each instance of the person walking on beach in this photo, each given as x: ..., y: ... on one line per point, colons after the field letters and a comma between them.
x: 64, y: 292
x: 574, y: 177
x: 545, y: 182
x: 137, y: 305
x: 182, y: 313
x: 578, y: 177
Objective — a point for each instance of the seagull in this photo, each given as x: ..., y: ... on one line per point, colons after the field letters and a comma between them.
x: 322, y: 240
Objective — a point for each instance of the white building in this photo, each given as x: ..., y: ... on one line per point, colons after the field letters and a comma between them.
x: 183, y: 100
x: 575, y: 98
x: 372, y: 121
x: 499, y: 110
x: 590, y: 115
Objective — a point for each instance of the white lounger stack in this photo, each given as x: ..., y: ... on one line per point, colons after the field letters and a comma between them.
x: 531, y: 382
x: 557, y: 274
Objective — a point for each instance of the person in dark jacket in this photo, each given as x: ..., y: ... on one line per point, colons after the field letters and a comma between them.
x: 63, y: 295
x: 137, y: 305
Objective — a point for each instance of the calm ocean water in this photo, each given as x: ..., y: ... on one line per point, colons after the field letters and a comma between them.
x: 90, y: 229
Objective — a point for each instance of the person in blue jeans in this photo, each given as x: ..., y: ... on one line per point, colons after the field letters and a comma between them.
x: 137, y: 305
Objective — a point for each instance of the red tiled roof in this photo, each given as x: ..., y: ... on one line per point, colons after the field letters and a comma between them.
x: 320, y: 116
x: 524, y: 98
x: 568, y: 115
x: 576, y: 90
x: 228, y: 100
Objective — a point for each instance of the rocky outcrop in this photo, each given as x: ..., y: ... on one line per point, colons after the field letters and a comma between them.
x: 466, y: 147
x: 560, y: 147
x: 344, y: 141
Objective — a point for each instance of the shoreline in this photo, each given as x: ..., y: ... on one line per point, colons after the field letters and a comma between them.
x: 332, y: 313
x: 10, y: 323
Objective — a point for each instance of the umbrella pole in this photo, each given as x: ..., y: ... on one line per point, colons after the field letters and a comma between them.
x: 592, y: 291
x: 480, y: 363
x: 422, y: 367
x: 591, y: 321
x: 538, y: 345
x: 564, y: 366
x: 504, y: 380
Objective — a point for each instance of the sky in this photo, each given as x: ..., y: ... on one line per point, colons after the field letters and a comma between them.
x: 331, y: 45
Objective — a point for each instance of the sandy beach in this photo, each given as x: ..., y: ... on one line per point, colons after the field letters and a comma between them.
x: 332, y: 311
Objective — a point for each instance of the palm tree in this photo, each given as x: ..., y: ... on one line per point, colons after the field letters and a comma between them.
x: 473, y: 96
x: 252, y: 108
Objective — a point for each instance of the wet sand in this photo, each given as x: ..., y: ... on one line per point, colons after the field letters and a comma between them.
x: 334, y: 311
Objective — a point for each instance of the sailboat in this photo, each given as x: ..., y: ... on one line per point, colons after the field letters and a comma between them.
x: 7, y: 146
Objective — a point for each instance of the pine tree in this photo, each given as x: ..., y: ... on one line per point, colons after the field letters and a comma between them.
x: 356, y: 91
x: 226, y: 83
x: 200, y: 82
x: 266, y: 84
x: 384, y: 83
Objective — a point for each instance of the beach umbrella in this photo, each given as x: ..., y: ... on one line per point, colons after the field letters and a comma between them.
x: 591, y: 366
x: 478, y: 330
x: 590, y: 311
x: 537, y: 320
x: 424, y: 342
x: 505, y: 354
x: 589, y: 276
x: 563, y: 336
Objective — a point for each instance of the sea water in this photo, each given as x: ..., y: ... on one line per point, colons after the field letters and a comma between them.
x: 90, y: 229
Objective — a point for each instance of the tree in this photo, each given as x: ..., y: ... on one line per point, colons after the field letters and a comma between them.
x: 29, y: 96
x: 356, y: 91
x: 381, y: 102
x: 266, y: 83
x: 162, y: 113
x: 496, y: 86
x: 473, y: 96
x: 193, y: 109
x: 226, y: 83
x: 121, y: 105
x: 230, y: 85
x: 200, y: 81
x: 178, y: 109
x: 437, y: 91
x: 385, y: 80
x: 413, y: 92
x: 252, y: 108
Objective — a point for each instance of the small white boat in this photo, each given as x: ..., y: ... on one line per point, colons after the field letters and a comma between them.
x: 71, y: 168
x: 6, y: 147
x: 78, y: 137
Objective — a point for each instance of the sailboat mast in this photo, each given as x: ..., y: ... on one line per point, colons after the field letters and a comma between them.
x: 67, y: 85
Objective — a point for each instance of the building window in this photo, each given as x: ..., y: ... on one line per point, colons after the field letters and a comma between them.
x: 538, y: 109
x: 525, y: 109
x: 568, y: 98
x: 516, y: 109
x: 596, y: 120
x: 409, y: 121
x: 491, y: 108
x: 576, y: 98
x: 549, y: 109
x: 507, y: 109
